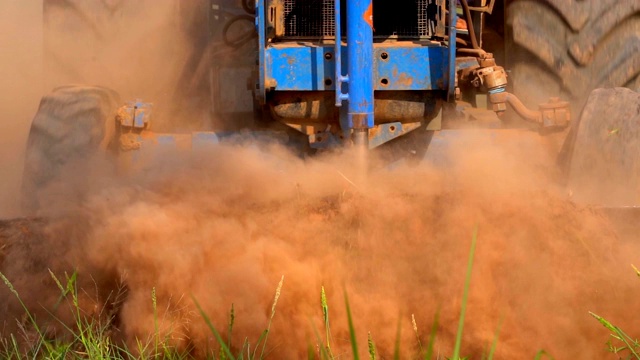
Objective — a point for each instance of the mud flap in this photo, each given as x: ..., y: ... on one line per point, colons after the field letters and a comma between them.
x: 602, y: 152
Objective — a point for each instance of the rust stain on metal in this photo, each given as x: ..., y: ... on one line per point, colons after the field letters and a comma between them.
x: 359, y: 121
x: 374, y: 131
x: 404, y: 79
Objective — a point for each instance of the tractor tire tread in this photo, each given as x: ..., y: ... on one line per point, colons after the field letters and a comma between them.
x: 71, y: 124
x: 583, y: 45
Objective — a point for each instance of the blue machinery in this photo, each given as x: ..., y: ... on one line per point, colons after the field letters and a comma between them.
x: 305, y: 69
x: 401, y: 67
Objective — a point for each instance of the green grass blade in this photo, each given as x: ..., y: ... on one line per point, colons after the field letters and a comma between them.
x: 232, y: 318
x: 542, y: 353
x: 215, y: 333
x: 352, y: 331
x: 273, y: 312
x: 325, y: 317
x: 63, y: 291
x: 465, y: 295
x: 311, y: 354
x: 396, y: 350
x: 32, y: 320
x: 494, y: 345
x: 620, y: 334
x: 324, y: 355
x: 432, y: 336
x: 372, y: 347
x: 260, y: 339
x: 246, y: 346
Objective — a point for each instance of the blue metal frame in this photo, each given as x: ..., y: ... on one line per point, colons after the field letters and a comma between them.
x: 386, y: 66
x: 293, y: 67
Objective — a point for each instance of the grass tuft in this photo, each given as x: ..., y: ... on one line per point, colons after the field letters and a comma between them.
x: 273, y: 313
x: 432, y: 336
x: 325, y: 318
x: 465, y: 296
x: 542, y: 353
x: 372, y: 347
x: 213, y: 330
x: 396, y: 350
x: 494, y: 344
x: 352, y: 330
x: 91, y: 335
x: 50, y: 350
x: 631, y: 345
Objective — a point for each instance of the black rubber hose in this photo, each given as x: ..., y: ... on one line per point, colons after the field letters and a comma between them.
x: 244, y: 38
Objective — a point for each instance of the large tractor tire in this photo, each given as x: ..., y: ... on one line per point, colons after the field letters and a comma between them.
x: 568, y: 48
x: 72, y: 125
x: 602, y: 151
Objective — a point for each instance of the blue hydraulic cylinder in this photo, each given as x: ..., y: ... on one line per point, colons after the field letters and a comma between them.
x: 360, y: 63
x: 340, y: 79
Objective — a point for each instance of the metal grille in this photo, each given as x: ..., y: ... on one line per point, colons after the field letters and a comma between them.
x: 398, y: 18
x: 422, y: 27
x: 310, y: 18
x: 405, y: 18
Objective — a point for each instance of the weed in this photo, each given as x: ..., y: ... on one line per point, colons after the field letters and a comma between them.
x: 325, y: 318
x: 630, y: 345
x: 372, y: 347
x: 91, y: 335
x: 41, y: 342
x: 225, y: 347
x: 465, y: 295
x: 352, y: 330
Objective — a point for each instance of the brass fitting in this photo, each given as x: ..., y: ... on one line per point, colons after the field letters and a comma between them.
x: 493, y: 79
x: 554, y: 113
x: 488, y: 75
x: 490, y: 78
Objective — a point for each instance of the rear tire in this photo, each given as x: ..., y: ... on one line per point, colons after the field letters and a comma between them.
x: 601, y: 151
x: 72, y: 125
x: 567, y: 49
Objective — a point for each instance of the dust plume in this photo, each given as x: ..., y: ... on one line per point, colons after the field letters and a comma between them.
x: 20, y: 91
x: 139, y: 48
x: 224, y: 226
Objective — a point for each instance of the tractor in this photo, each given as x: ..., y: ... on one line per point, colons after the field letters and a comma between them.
x: 369, y: 74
